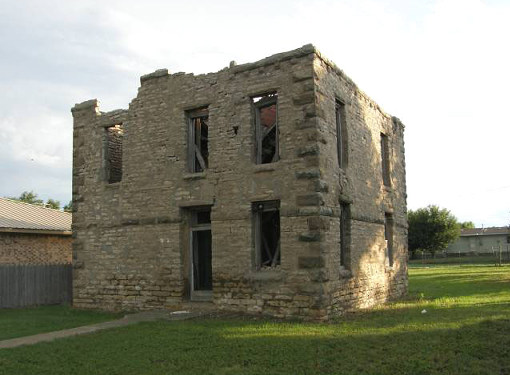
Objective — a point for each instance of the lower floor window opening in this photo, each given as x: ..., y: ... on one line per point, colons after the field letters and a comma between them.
x: 267, y: 234
x: 201, y: 250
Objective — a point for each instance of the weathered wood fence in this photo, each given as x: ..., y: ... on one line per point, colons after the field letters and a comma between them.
x: 28, y: 285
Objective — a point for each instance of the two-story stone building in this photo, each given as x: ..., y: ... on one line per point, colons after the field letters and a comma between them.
x: 274, y: 187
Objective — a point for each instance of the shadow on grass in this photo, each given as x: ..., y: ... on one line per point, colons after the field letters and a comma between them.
x: 238, y: 347
x: 465, y: 330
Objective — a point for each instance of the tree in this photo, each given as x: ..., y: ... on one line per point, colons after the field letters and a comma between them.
x: 467, y: 225
x: 51, y: 203
x: 69, y: 207
x: 28, y: 197
x: 431, y: 229
x: 31, y: 197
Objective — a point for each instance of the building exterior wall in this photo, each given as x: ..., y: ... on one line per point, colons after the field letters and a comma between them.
x: 131, y: 247
x: 482, y: 244
x: 28, y: 248
x: 367, y: 278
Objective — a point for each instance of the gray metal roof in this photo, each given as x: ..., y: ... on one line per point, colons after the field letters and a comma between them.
x: 24, y: 216
x: 485, y: 231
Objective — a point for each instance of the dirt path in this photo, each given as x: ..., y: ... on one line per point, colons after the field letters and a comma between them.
x: 148, y: 316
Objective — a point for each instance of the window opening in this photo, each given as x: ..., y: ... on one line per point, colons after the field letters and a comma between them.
x: 341, y: 134
x: 113, y: 153
x: 385, y: 160
x: 388, y: 237
x: 267, y: 233
x: 345, y: 229
x: 201, y: 249
x: 266, y: 128
x: 198, y: 133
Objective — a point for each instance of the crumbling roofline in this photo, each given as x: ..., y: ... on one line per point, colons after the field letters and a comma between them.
x: 305, y: 50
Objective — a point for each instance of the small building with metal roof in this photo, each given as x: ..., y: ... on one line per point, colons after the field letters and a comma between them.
x: 481, y: 241
x: 34, y: 234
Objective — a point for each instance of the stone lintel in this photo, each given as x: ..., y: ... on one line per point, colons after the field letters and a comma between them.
x: 195, y: 203
x: 156, y: 74
x: 88, y: 104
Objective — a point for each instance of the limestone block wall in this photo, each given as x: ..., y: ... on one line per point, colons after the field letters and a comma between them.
x: 131, y: 245
x: 31, y: 248
x: 368, y: 277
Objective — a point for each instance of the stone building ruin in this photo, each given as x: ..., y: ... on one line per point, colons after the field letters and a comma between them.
x: 275, y: 187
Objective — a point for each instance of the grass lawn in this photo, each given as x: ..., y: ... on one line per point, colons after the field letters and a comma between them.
x: 466, y: 330
x: 26, y: 322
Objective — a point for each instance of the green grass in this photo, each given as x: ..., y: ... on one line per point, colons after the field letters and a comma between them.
x: 26, y: 322
x: 466, y: 330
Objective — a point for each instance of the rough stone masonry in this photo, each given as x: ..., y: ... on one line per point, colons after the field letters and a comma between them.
x: 275, y: 187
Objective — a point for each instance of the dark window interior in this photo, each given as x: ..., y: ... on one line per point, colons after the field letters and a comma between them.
x: 385, y: 160
x: 198, y: 140
x: 267, y: 222
x: 113, y: 154
x: 266, y: 128
x: 388, y: 236
x: 202, y: 249
x: 202, y: 269
x: 345, y: 214
x: 203, y: 217
x: 341, y: 134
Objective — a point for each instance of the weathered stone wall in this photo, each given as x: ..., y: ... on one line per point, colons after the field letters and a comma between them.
x: 367, y: 278
x: 131, y: 238
x: 28, y: 248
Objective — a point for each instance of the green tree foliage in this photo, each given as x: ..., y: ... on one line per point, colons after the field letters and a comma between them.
x: 32, y: 198
x: 51, y: 203
x: 69, y: 207
x: 467, y: 225
x: 28, y: 197
x: 431, y: 229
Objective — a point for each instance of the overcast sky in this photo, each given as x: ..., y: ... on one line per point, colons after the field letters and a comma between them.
x: 441, y: 66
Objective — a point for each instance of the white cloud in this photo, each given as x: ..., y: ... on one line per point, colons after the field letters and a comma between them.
x: 441, y: 66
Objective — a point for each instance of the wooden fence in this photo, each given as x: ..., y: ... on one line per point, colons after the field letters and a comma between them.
x: 29, y: 285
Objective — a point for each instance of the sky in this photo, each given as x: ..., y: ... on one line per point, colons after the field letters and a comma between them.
x: 441, y: 66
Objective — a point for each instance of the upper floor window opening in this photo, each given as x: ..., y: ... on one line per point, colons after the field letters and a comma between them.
x: 385, y: 160
x: 198, y: 140
x: 113, y: 153
x: 266, y: 128
x: 341, y: 133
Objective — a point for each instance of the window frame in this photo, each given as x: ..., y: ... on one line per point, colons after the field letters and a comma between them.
x: 388, y: 237
x: 258, y: 208
x: 203, y: 162
x: 345, y: 235
x: 341, y: 133
x: 194, y: 228
x: 107, y: 162
x: 385, y: 160
x: 272, y: 99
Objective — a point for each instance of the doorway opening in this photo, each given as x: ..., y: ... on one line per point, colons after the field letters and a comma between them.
x: 200, y: 254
